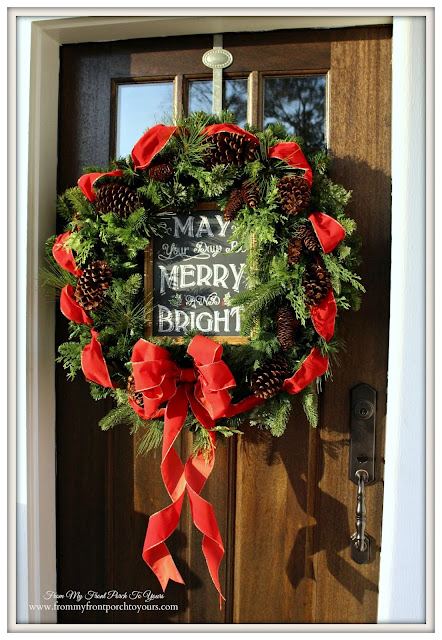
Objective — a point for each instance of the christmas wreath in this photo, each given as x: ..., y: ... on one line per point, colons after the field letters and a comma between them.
x: 301, y: 253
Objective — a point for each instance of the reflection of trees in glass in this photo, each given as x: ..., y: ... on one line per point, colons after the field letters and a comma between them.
x: 234, y: 99
x: 299, y: 104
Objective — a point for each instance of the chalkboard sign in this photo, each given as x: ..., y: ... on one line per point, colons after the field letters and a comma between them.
x: 196, y: 272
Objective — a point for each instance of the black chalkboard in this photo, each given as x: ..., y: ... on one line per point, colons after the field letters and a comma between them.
x: 195, y: 274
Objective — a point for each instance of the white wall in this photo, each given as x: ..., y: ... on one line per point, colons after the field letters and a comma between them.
x: 402, y: 581
x: 23, y: 71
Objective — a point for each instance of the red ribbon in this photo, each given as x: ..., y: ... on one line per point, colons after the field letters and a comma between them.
x: 205, y: 388
x: 229, y: 128
x: 150, y: 144
x: 292, y: 154
x: 314, y: 365
x: 93, y: 363
x: 328, y: 231
x: 64, y: 256
x: 88, y: 180
x: 70, y: 307
x: 323, y: 316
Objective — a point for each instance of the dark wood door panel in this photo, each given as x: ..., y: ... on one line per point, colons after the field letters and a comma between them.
x: 284, y: 506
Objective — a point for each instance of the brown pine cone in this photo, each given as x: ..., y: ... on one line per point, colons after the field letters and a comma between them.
x: 250, y: 194
x: 288, y: 325
x: 295, y: 194
x: 92, y: 284
x: 294, y: 250
x: 161, y: 171
x: 230, y: 148
x: 118, y: 198
x: 268, y: 379
x: 134, y: 395
x: 309, y: 238
x: 316, y: 283
x: 233, y: 205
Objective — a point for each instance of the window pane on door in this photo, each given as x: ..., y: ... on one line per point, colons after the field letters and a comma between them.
x: 297, y: 102
x: 234, y: 98
x: 140, y: 106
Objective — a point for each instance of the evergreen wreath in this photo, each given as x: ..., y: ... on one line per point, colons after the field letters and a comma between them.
x: 294, y: 279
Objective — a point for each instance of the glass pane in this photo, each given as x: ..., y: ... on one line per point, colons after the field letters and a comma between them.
x: 140, y: 106
x: 299, y: 104
x: 234, y: 99
x: 200, y: 95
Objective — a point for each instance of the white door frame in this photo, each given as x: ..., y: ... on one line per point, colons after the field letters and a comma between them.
x: 47, y: 37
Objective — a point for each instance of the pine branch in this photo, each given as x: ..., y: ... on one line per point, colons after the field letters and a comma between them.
x: 309, y: 401
x: 151, y: 437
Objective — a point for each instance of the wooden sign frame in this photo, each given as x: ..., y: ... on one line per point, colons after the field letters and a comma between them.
x: 149, y: 287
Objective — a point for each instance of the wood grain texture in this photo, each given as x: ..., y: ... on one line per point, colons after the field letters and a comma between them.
x: 360, y: 98
x: 305, y: 49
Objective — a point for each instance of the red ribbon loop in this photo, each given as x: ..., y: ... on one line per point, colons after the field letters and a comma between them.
x: 323, y: 316
x: 88, y: 180
x: 229, y: 128
x: 150, y: 144
x: 205, y: 387
x: 292, y: 154
x: 64, y: 256
x: 93, y: 363
x: 70, y: 307
x: 314, y: 365
x: 328, y: 231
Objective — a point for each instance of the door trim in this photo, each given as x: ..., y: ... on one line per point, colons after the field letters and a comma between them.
x: 47, y: 36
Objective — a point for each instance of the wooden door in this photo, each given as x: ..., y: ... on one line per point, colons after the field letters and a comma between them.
x: 285, y: 506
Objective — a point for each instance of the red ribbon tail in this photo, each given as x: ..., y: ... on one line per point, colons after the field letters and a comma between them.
x: 155, y: 552
x: 197, y: 471
x: 163, y: 523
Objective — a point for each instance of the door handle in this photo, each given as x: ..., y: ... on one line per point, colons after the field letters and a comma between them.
x: 362, y: 462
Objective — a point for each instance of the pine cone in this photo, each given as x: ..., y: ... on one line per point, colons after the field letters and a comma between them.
x: 316, y: 283
x: 250, y: 194
x: 309, y: 238
x: 118, y: 198
x: 287, y: 327
x: 134, y: 395
x: 294, y: 250
x: 295, y: 194
x: 92, y: 284
x: 268, y: 379
x: 230, y: 148
x: 161, y: 171
x: 233, y: 205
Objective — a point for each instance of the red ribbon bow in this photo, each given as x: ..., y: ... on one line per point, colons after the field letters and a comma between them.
x: 204, y: 387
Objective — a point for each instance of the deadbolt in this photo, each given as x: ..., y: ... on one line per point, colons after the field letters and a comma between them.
x: 364, y: 409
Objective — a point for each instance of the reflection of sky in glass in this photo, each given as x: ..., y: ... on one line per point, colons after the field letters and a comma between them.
x: 234, y: 99
x: 299, y: 104
x: 139, y: 107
